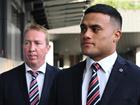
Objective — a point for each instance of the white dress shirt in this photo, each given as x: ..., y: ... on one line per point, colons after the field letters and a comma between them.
x: 40, y: 77
x: 103, y: 75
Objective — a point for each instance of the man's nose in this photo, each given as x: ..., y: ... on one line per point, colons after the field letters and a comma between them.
x: 88, y: 33
x: 32, y: 47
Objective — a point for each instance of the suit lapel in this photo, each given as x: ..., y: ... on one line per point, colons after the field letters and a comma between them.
x: 77, y: 78
x: 46, y: 86
x: 23, y: 84
x: 114, y: 79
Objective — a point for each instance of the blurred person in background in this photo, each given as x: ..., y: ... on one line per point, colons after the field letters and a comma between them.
x: 29, y: 83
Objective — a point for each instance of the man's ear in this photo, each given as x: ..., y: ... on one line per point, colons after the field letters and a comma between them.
x: 117, y: 36
x: 48, y: 48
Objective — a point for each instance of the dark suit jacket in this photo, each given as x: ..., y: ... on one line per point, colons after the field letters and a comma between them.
x: 13, y: 86
x: 123, y: 86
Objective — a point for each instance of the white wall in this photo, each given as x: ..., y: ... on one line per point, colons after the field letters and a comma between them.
x: 50, y: 55
x: 138, y: 56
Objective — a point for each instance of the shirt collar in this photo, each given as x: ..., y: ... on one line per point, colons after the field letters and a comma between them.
x: 106, y: 63
x: 41, y: 69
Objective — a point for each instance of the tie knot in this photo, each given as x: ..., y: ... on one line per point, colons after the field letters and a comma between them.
x: 34, y: 74
x: 96, y: 66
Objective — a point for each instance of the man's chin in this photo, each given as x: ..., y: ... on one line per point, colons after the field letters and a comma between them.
x: 33, y: 63
x: 87, y: 53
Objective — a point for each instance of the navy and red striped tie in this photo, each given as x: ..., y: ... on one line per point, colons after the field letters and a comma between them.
x: 34, y: 91
x: 93, y: 96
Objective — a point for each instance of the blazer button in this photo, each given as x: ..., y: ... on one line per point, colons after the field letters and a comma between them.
x: 121, y: 70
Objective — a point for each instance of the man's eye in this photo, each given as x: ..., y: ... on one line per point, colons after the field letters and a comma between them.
x: 38, y: 43
x: 83, y: 28
x: 26, y: 42
x: 95, y: 29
